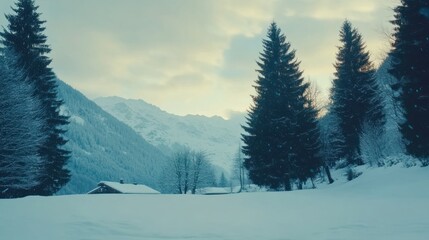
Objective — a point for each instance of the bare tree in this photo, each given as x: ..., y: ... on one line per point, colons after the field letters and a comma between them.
x: 188, y: 171
x: 330, y: 136
x: 186, y: 159
x: 318, y: 102
x: 239, y: 169
x: 202, y: 171
x: 182, y: 169
x: 177, y: 164
x: 372, y: 144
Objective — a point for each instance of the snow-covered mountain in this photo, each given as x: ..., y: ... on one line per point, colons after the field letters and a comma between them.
x: 218, y: 137
x: 104, y: 148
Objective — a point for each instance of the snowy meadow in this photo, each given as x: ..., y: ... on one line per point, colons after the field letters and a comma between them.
x: 377, y: 205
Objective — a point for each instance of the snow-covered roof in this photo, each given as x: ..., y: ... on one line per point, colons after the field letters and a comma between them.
x: 127, y: 188
x: 214, y: 190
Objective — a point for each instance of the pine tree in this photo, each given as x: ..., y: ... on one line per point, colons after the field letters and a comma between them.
x: 24, y: 36
x: 308, y: 142
x: 410, y: 65
x: 20, y: 131
x: 282, y: 138
x: 355, y: 92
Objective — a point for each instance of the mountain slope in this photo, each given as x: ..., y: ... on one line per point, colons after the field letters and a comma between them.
x: 104, y: 148
x: 218, y: 137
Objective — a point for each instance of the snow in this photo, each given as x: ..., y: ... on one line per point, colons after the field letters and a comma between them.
x: 77, y: 119
x: 383, y: 203
x: 129, y: 188
x: 65, y: 111
x: 218, y: 137
x: 217, y: 190
x: 98, y: 142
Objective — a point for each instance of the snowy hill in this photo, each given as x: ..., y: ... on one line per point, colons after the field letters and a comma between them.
x: 383, y: 203
x: 218, y: 137
x: 104, y: 148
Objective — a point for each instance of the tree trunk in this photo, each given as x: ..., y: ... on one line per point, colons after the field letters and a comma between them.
x: 328, y: 173
x: 287, y: 184
x: 241, y: 179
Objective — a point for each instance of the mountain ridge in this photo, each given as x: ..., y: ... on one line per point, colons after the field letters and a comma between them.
x: 218, y: 137
x: 103, y: 148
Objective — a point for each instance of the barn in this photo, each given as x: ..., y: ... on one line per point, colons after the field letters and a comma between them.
x: 105, y: 187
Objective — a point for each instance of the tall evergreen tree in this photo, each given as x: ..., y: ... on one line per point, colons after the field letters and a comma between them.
x: 282, y: 138
x: 410, y: 65
x: 20, y: 131
x: 24, y: 36
x: 355, y: 93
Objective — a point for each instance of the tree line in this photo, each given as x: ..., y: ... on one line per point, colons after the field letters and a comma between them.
x: 286, y: 143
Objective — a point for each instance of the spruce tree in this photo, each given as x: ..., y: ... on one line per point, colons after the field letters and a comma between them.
x: 24, y: 36
x: 282, y: 138
x: 309, y: 141
x: 20, y: 131
x: 355, y: 93
x: 410, y: 65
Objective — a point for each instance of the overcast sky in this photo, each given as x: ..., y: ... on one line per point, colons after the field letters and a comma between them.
x: 196, y: 56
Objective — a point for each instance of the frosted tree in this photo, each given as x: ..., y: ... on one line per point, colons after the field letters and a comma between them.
x: 393, y: 143
x: 372, y: 144
x: 20, y: 132
x: 332, y: 142
x: 240, y: 171
x: 188, y: 171
x: 24, y: 36
x: 355, y: 93
x: 410, y: 66
x: 202, y: 172
x: 222, y: 181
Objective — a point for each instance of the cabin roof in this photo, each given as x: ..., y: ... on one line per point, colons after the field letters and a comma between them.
x: 214, y: 190
x: 127, y: 188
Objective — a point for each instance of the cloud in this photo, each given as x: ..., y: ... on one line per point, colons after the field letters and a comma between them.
x: 240, y: 58
x: 194, y: 56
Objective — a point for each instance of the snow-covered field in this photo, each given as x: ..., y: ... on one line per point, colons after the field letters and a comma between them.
x: 383, y: 203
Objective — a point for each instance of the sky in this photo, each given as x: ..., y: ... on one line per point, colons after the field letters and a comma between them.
x: 197, y: 56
